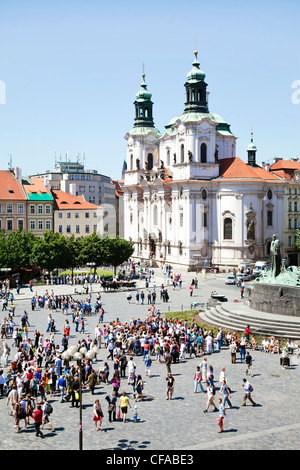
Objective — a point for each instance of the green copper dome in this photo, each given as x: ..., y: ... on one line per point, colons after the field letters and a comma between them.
x: 196, y: 73
x: 144, y: 94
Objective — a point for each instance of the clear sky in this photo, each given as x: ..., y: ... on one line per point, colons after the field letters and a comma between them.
x: 71, y: 69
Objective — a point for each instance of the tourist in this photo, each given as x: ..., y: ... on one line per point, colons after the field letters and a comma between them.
x: 38, y: 419
x: 222, y: 414
x: 98, y: 416
x: 124, y: 403
x: 248, y: 389
x: 170, y: 386
x: 248, y: 362
x: 225, y: 390
x: 210, y: 398
x: 197, y: 380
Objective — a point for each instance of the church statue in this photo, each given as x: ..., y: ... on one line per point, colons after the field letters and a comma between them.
x: 251, y: 230
x: 137, y: 163
x: 174, y: 158
x: 275, y: 256
x: 190, y: 156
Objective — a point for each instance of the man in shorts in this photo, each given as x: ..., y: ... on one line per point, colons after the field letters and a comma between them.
x: 170, y: 386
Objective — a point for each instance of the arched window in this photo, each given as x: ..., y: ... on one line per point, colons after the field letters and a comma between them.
x: 182, y: 153
x: 131, y: 162
x: 227, y: 229
x: 203, y: 152
x: 149, y: 161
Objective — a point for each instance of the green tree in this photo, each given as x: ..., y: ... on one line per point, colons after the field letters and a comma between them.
x: 3, y: 250
x: 117, y: 251
x: 19, y: 246
x: 50, y: 252
x: 92, y: 251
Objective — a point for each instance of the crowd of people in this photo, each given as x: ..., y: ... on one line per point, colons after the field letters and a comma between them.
x: 40, y: 370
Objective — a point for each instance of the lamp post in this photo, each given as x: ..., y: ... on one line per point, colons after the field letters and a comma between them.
x: 72, y: 353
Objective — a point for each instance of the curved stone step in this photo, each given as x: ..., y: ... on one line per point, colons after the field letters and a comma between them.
x: 260, y: 326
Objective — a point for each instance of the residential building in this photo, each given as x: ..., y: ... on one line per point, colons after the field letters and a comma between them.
x: 39, y: 205
x: 75, y: 216
x: 12, y: 201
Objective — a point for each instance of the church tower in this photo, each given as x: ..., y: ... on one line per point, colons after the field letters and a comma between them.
x: 143, y: 107
x: 196, y: 95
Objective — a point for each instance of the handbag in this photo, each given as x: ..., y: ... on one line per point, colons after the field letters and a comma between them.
x: 76, y: 396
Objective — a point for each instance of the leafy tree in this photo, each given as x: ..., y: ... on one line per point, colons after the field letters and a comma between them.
x: 3, y: 250
x: 117, y: 250
x: 19, y: 246
x: 50, y: 251
x: 92, y: 251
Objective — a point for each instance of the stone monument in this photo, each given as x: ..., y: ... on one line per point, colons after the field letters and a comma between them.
x: 276, y: 290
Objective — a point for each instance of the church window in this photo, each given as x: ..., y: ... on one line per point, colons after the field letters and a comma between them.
x: 168, y: 158
x: 150, y: 161
x: 203, y: 151
x: 204, y: 219
x: 131, y: 161
x: 269, y: 194
x: 269, y: 218
x: 182, y: 153
x: 155, y: 216
x: 227, y: 228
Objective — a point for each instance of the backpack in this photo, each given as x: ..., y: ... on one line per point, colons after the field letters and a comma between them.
x: 250, y: 388
x: 49, y: 409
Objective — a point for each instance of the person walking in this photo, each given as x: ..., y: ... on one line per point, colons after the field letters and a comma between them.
x: 124, y: 403
x: 38, y: 419
x: 248, y: 389
x: 47, y: 410
x: 222, y: 415
x: 170, y: 386
x: 232, y: 350
x: 197, y: 380
x: 248, y: 362
x: 98, y: 415
x: 225, y: 390
x: 112, y: 407
x: 210, y: 398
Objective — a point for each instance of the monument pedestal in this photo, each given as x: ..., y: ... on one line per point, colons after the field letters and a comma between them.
x: 273, y: 298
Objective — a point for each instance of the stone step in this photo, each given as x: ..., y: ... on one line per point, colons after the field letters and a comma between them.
x: 261, y: 326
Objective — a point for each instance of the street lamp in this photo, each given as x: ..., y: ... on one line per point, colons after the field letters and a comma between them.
x: 72, y: 353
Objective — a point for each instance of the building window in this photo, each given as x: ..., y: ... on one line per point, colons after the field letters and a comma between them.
x: 149, y: 161
x: 296, y: 206
x: 91, y: 189
x: 290, y: 223
x: 40, y: 225
x: 68, y: 228
x: 48, y: 210
x: 168, y: 157
x: 21, y: 224
x: 87, y: 229
x: 290, y: 206
x: 20, y: 208
x: 32, y: 209
x: 81, y: 189
x: 9, y: 208
x: 182, y: 153
x: 87, y: 215
x: 290, y: 241
x: 0, y: 208
x: 227, y: 229
x: 48, y: 224
x: 269, y: 194
x: 32, y: 225
x: 68, y: 215
x: 269, y: 218
x: 40, y: 209
x: 60, y: 216
x: 94, y: 228
x: 82, y: 178
x: 204, y: 219
x: 60, y: 229
x: 9, y: 225
x: 77, y: 229
x: 203, y: 152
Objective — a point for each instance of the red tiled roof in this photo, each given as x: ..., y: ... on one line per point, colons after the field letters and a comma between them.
x: 10, y: 187
x: 37, y: 186
x: 235, y: 168
x: 64, y: 200
x: 285, y: 165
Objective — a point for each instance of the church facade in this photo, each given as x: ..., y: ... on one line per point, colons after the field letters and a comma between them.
x: 188, y: 199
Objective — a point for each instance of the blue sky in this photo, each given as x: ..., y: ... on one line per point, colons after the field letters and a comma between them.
x: 71, y: 70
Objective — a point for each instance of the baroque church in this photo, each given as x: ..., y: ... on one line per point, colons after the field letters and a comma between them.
x: 188, y: 199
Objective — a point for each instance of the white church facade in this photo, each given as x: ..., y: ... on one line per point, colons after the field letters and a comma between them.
x: 188, y: 199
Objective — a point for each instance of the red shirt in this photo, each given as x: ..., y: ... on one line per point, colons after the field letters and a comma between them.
x: 38, y: 416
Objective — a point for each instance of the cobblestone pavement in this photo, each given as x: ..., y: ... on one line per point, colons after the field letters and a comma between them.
x: 177, y: 424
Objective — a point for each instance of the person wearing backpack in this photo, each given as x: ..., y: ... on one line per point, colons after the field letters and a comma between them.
x: 47, y: 410
x: 248, y: 389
